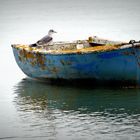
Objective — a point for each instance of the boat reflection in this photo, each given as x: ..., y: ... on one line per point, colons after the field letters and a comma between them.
x: 38, y: 96
x: 55, y: 111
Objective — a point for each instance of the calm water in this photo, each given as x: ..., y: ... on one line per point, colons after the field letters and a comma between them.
x: 31, y: 110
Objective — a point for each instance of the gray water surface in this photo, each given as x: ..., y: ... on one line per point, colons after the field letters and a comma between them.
x: 32, y: 110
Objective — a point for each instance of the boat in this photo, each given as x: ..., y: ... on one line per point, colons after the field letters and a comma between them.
x: 95, y: 61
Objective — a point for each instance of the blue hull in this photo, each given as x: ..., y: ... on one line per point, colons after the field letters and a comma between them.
x: 115, y: 65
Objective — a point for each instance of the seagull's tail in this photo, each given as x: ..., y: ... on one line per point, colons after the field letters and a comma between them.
x: 33, y: 45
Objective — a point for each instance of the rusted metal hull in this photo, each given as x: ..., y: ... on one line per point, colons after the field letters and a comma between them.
x: 121, y: 65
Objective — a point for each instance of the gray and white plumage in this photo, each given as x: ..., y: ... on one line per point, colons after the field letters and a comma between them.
x: 46, y: 40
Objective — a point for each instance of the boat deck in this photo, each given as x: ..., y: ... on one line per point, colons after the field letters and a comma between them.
x: 67, y: 47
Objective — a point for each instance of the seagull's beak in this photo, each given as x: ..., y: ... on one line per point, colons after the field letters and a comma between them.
x: 54, y: 31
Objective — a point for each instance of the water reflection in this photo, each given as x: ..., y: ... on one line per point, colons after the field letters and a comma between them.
x: 65, y: 111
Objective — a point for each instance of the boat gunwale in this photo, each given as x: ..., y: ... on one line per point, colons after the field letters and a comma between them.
x: 87, y: 50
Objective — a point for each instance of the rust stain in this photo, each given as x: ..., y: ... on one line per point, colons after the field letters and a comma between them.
x: 40, y: 60
x: 64, y: 62
x: 129, y: 53
x: 33, y: 63
x: 54, y: 70
x: 49, y: 61
x: 22, y: 55
x: 30, y: 55
x: 34, y: 58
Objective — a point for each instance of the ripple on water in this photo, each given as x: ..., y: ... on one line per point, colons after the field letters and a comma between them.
x: 77, y: 113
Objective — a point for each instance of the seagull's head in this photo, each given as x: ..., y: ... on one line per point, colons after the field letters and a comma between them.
x: 51, y: 32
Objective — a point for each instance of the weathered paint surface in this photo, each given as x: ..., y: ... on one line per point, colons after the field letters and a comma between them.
x: 107, y: 65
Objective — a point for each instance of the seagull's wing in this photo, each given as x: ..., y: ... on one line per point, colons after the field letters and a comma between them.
x: 45, y: 40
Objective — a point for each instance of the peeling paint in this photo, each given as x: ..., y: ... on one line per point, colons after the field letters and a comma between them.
x: 65, y: 62
x: 33, y: 58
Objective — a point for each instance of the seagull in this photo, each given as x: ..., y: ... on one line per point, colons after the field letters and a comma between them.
x: 46, y: 40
